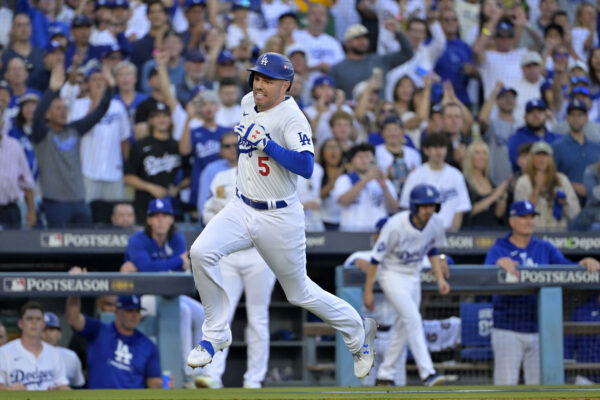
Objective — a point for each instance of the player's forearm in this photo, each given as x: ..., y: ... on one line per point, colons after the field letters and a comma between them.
x: 298, y: 163
x: 436, y: 267
x: 370, y: 279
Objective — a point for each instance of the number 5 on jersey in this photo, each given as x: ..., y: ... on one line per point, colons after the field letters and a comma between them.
x: 263, y: 167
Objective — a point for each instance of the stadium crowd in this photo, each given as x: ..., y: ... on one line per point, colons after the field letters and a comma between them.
x: 110, y: 102
x: 109, y: 105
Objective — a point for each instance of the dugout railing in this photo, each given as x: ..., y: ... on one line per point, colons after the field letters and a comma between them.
x: 547, y: 282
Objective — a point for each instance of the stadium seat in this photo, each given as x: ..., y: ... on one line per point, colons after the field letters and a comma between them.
x: 477, y: 321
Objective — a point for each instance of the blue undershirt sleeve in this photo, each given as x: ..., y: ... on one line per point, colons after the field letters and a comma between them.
x: 298, y: 163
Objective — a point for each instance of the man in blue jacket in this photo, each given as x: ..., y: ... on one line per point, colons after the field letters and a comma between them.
x: 515, y: 334
x: 533, y: 131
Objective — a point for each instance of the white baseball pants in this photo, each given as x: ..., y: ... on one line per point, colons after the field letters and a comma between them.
x: 510, y: 350
x: 404, y: 292
x: 245, y: 272
x: 279, y: 237
x: 191, y: 319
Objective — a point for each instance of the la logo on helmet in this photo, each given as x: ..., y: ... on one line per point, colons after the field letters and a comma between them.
x: 264, y: 60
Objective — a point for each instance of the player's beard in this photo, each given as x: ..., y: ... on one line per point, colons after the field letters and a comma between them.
x: 535, y: 128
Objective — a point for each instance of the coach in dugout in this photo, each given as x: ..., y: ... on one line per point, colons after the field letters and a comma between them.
x: 515, y: 337
x: 119, y: 356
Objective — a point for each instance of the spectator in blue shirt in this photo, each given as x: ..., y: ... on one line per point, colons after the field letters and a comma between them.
x: 201, y: 136
x: 42, y: 16
x: 515, y: 338
x: 160, y: 248
x: 119, y: 356
x: 456, y: 63
x: 533, y: 131
x: 574, y: 152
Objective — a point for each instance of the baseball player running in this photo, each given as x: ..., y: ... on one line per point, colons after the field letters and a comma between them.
x: 246, y: 272
x: 404, y: 240
x: 275, y: 146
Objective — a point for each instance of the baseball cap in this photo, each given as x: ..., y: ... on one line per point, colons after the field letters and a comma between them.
x: 114, y: 48
x: 577, y: 104
x: 239, y: 4
x: 288, y: 14
x: 51, y: 320
x: 58, y: 30
x: 224, y: 56
x: 535, y: 104
x: 531, y: 57
x: 191, y: 3
x: 51, y: 46
x: 541, y: 147
x: 129, y: 302
x: 194, y: 56
x: 28, y: 97
x: 91, y: 72
x: 324, y: 80
x: 506, y: 90
x: 393, y: 120
x: 577, y: 64
x: 160, y: 206
x: 505, y: 29
x: 103, y: 3
x: 80, y: 20
x: 120, y: 3
x: 159, y: 107
x: 354, y: 31
x: 521, y: 208
x: 436, y: 109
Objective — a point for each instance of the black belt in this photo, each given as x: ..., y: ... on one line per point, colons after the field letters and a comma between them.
x: 260, y: 205
x: 9, y: 205
x: 384, y: 328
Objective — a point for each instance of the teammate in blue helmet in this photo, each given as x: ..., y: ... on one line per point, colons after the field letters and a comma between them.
x: 272, y: 65
x: 424, y: 194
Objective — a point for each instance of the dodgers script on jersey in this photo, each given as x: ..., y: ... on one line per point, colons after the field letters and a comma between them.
x: 401, y: 246
x: 259, y: 177
x: 18, y: 365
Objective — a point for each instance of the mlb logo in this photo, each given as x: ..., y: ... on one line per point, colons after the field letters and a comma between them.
x: 13, y: 284
x: 505, y: 277
x: 51, y: 240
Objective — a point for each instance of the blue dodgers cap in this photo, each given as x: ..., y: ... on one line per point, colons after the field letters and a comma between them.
x: 120, y: 3
x: 323, y: 80
x: 129, y: 302
x: 160, y: 206
x: 194, y: 56
x: 577, y: 104
x: 521, y: 208
x: 80, y: 20
x: 535, y: 104
x: 191, y: 3
x: 506, y: 90
x: 580, y: 90
x: 113, y: 48
x: 224, y: 56
x: 238, y: 4
x: 51, y: 46
x: 394, y: 119
x: 58, y: 30
x: 91, y: 72
x: 51, y: 320
x: 505, y: 27
x: 103, y: 3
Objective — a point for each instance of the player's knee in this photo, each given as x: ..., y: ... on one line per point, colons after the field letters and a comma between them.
x: 202, y: 256
x: 297, y: 299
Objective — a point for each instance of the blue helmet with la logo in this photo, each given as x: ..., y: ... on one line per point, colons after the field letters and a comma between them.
x: 425, y: 194
x: 273, y: 65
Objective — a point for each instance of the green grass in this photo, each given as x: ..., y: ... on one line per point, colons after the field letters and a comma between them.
x: 322, y: 393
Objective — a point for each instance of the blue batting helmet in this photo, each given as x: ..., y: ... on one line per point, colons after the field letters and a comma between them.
x: 425, y: 194
x: 273, y: 65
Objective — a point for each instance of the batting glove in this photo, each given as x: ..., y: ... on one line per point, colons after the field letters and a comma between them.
x: 240, y: 130
x: 256, y: 136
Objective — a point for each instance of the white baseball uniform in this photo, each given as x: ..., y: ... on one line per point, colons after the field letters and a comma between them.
x: 243, y: 271
x: 385, y: 314
x: 72, y: 367
x: 399, y: 251
x: 18, y: 365
x: 276, y: 232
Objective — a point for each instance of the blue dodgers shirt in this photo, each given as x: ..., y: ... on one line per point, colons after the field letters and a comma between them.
x: 519, y: 313
x: 450, y: 67
x: 116, y: 361
x: 205, y: 149
x: 147, y: 256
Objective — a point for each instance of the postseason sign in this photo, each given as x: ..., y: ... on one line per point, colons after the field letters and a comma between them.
x: 94, y: 284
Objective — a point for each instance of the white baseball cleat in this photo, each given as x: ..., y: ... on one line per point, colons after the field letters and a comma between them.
x: 364, y: 359
x: 204, y: 352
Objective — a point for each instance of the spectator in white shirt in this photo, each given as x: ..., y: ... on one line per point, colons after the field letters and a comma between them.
x: 447, y: 179
x: 324, y: 50
x: 105, y: 147
x: 530, y: 85
x: 364, y: 194
x: 503, y: 63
